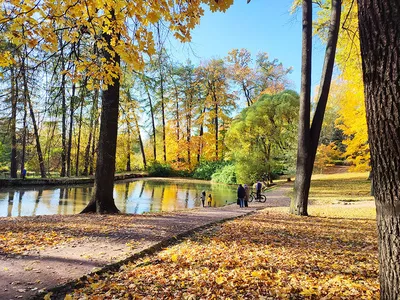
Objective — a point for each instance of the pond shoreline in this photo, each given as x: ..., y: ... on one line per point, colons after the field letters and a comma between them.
x: 19, y: 182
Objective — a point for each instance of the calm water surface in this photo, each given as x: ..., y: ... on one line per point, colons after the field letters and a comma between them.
x: 138, y: 196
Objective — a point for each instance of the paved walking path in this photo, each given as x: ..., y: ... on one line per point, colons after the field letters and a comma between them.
x: 23, y: 276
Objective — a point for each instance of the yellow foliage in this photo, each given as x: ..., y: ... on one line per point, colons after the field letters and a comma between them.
x: 348, y: 90
x: 108, y: 25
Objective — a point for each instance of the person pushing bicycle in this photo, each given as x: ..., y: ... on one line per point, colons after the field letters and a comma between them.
x: 258, y: 189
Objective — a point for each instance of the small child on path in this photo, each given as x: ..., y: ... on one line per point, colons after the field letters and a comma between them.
x: 209, y: 199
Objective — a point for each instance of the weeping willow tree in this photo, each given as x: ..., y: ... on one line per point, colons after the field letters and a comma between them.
x: 262, y: 139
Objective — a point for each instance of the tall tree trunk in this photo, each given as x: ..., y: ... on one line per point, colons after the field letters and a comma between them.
x: 24, y: 132
x: 71, y: 126
x: 201, y: 138
x: 32, y: 114
x: 78, y: 146
x: 163, y: 115
x: 309, y: 137
x: 87, y: 149
x: 14, y: 166
x: 216, y: 130
x: 153, y: 123
x: 177, y: 120
x: 302, y: 185
x: 140, y: 141
x: 37, y: 138
x: 160, y: 66
x: 96, y: 125
x: 380, y: 51
x: 188, y: 130
x: 128, y: 149
x: 103, y: 201
x: 64, y: 114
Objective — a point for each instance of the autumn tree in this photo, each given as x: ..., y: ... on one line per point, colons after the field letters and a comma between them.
x: 352, y: 117
x: 380, y: 51
x: 256, y: 77
x: 219, y: 100
x: 262, y: 139
x: 242, y: 72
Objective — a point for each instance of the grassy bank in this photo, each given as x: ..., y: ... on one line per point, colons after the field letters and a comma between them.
x: 336, y: 188
x: 9, y: 182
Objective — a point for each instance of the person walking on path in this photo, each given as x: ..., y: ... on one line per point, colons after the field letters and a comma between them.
x: 241, y: 194
x: 258, y: 189
x: 246, y: 195
x: 203, y: 197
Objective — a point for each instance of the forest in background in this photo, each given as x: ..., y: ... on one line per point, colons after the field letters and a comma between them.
x: 232, y: 118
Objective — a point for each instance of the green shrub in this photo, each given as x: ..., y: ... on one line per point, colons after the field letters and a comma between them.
x: 226, y: 174
x: 207, y: 168
x: 158, y: 169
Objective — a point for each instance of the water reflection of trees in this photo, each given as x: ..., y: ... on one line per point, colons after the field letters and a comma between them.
x: 131, y: 197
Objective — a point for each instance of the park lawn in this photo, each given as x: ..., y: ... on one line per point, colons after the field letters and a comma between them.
x: 269, y: 254
x: 343, y: 187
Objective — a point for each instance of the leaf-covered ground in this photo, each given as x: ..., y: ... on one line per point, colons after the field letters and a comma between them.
x: 21, y: 234
x: 267, y: 255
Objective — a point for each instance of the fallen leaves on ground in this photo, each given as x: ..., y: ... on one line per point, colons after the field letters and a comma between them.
x: 266, y: 255
x: 20, y: 234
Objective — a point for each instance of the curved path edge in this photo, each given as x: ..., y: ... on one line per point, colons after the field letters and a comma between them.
x: 60, y: 269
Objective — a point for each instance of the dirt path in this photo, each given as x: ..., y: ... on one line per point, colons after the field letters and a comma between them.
x: 22, y: 276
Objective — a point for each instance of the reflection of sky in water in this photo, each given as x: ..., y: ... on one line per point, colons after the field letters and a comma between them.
x: 130, y: 197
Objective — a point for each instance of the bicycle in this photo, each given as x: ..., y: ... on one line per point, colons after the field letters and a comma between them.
x: 253, y: 196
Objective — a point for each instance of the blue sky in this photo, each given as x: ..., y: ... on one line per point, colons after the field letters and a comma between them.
x: 260, y: 26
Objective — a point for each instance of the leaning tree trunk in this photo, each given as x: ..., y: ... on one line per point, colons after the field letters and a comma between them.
x: 380, y: 51
x: 103, y: 201
x: 309, y: 136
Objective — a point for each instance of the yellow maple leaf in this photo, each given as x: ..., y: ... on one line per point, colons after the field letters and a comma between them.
x: 48, y: 296
x: 220, y: 280
x: 174, y: 257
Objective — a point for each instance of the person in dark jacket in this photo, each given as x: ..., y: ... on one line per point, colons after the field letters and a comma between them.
x: 241, y: 193
x: 203, y: 197
x: 247, y: 195
x: 258, y: 189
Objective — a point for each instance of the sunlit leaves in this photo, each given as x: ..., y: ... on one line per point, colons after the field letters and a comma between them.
x: 127, y: 23
x: 268, y: 254
x: 350, y: 88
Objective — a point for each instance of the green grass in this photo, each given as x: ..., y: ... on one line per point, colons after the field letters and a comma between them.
x: 343, y: 195
x: 338, y: 188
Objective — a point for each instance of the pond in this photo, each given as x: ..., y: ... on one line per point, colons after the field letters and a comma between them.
x: 135, y: 197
